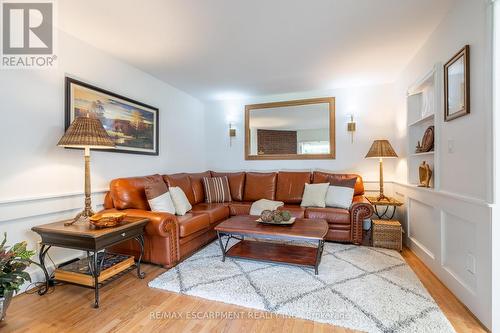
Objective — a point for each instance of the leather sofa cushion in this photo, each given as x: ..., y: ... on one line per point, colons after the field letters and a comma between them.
x: 183, y: 181
x: 197, y: 185
x: 191, y: 223
x: 236, y: 183
x: 216, y: 211
x: 337, y: 235
x: 296, y: 211
x: 331, y: 215
x: 290, y: 186
x: 129, y: 193
x: 259, y: 185
x: 239, y: 208
x: 334, y: 178
x: 339, y: 227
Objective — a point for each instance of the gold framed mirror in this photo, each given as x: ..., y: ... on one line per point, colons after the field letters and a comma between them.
x: 290, y: 130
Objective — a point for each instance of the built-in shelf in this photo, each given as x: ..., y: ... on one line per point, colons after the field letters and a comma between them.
x: 422, y: 188
x: 414, y: 93
x: 419, y: 86
x: 423, y: 101
x: 424, y: 153
x: 422, y: 120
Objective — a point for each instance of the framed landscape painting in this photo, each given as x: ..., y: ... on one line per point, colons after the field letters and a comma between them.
x: 132, y: 125
x: 457, y: 86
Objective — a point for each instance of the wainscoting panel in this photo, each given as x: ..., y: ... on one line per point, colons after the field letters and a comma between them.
x: 18, y: 216
x: 451, y: 234
x: 459, y: 242
x: 423, y: 229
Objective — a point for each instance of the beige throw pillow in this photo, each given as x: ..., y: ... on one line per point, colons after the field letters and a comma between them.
x: 181, y: 202
x: 162, y: 203
x: 314, y: 195
x: 339, y: 197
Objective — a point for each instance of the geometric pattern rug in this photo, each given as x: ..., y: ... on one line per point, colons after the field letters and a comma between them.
x: 361, y: 288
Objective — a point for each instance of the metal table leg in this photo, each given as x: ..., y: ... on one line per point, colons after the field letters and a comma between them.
x: 385, y: 213
x: 319, y: 253
x: 140, y: 240
x: 41, y: 256
x: 95, y: 273
x: 219, y: 236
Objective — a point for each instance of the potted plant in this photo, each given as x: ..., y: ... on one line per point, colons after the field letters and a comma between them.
x: 13, y: 262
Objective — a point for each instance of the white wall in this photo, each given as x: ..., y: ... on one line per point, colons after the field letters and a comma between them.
x: 450, y: 229
x: 373, y: 111
x: 465, y: 24
x: 40, y: 182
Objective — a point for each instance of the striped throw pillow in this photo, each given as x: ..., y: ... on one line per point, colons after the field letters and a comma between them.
x: 216, y: 189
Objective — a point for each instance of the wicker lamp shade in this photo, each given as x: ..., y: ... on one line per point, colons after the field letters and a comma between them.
x: 86, y: 132
x: 381, y: 148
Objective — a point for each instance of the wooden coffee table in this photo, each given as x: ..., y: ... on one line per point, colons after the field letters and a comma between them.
x: 239, y: 227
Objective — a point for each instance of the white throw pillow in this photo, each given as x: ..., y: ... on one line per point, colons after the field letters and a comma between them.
x: 162, y: 203
x: 314, y: 195
x: 339, y: 197
x: 181, y: 202
x: 264, y: 204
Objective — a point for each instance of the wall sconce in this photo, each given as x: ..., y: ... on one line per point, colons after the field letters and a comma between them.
x: 232, y: 134
x: 351, y: 128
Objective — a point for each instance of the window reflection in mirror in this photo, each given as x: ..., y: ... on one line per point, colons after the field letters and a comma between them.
x: 291, y: 130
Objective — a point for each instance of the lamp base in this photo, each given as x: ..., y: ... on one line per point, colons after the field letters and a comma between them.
x: 82, y: 216
x: 381, y: 197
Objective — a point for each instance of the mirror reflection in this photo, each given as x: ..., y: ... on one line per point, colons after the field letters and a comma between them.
x: 290, y: 129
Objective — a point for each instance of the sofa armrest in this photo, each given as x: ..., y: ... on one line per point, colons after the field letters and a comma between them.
x: 160, y: 223
x: 360, y: 210
x: 162, y: 235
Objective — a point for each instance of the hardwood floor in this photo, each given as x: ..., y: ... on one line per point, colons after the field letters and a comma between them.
x: 129, y: 305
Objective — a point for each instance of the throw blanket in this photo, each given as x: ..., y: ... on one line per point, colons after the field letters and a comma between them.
x: 264, y: 204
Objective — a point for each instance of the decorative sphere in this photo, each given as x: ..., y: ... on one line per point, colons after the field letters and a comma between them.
x: 286, y: 215
x: 266, y: 216
x: 277, y: 217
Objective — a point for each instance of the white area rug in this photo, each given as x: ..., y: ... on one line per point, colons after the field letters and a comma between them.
x: 362, y: 288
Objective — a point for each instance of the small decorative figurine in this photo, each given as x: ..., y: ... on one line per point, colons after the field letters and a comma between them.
x: 425, y: 174
x: 418, y: 148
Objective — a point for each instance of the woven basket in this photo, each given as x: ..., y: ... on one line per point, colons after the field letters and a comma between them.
x: 387, y: 234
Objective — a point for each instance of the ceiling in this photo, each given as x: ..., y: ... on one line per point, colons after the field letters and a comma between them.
x: 226, y: 49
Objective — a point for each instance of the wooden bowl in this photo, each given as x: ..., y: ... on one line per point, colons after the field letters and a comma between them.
x: 107, y: 220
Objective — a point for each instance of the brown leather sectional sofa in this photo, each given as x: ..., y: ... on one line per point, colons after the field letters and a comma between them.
x: 170, y: 238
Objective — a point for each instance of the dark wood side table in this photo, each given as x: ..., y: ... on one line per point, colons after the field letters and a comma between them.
x: 84, y: 237
x: 389, y: 207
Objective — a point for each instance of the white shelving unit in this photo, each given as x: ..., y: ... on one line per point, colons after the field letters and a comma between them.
x: 423, y: 102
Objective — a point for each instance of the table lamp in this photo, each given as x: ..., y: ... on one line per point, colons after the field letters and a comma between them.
x: 87, y: 133
x: 381, y: 149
